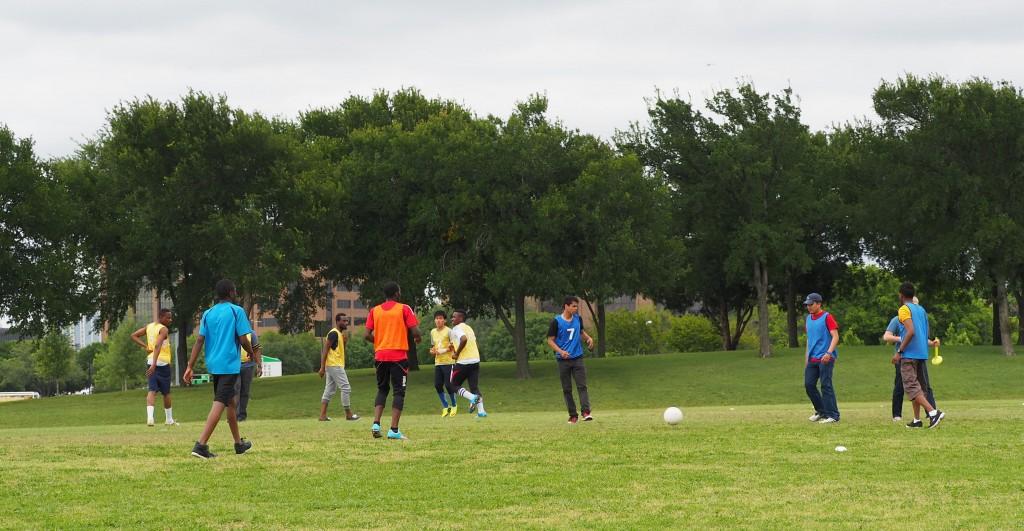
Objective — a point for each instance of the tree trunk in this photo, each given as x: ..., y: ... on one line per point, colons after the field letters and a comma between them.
x: 600, y: 330
x: 184, y: 330
x: 723, y: 325
x: 1019, y: 294
x: 791, y: 329
x: 761, y: 281
x: 519, y: 339
x: 1004, y: 317
x: 995, y: 316
x: 414, y: 356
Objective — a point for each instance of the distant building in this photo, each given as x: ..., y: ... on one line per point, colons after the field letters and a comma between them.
x: 84, y: 333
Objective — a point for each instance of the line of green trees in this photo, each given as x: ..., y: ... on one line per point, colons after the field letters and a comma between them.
x: 726, y: 207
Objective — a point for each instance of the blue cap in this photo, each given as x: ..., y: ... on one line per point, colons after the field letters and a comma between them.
x: 813, y: 297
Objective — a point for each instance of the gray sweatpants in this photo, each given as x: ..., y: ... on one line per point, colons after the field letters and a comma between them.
x: 335, y: 378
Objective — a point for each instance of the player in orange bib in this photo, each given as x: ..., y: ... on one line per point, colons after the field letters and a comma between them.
x: 388, y: 327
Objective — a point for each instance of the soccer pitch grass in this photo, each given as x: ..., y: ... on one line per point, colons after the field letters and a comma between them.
x: 729, y: 464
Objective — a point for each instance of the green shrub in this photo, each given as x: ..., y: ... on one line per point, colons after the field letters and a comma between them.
x: 636, y: 333
x: 497, y: 344
x: 693, y: 333
x: 299, y: 353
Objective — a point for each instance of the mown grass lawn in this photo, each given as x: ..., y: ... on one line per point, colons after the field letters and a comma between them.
x: 745, y: 455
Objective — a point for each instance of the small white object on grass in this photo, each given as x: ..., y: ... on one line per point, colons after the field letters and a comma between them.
x: 673, y: 415
x: 840, y: 448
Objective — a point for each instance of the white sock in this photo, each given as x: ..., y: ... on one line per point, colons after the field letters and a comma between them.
x: 149, y: 413
x: 466, y: 394
x: 933, y: 412
x: 167, y: 414
x: 480, y: 406
x: 917, y: 420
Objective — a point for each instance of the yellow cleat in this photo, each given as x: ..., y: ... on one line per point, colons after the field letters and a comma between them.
x: 453, y: 410
x: 444, y: 412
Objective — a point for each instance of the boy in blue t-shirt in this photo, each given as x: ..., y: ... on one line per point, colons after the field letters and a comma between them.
x: 222, y: 329
x: 564, y: 335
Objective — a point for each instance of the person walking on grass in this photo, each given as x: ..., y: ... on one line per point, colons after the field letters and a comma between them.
x: 441, y: 349
x: 894, y: 336
x: 467, y: 364
x: 564, y: 337
x: 820, y: 360
x: 332, y: 369
x: 252, y: 367
x: 222, y: 329
x: 387, y: 327
x: 912, y: 355
x: 158, y: 364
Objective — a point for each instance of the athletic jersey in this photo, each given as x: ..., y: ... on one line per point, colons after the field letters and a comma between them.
x: 896, y: 328
x: 164, y: 357
x: 918, y: 347
x: 335, y: 349
x: 221, y: 326
x: 390, y: 324
x: 567, y: 335
x: 442, y: 341
x: 470, y: 354
x: 819, y: 336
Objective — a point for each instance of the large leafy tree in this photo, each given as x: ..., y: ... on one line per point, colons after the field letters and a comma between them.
x: 203, y: 191
x: 951, y: 157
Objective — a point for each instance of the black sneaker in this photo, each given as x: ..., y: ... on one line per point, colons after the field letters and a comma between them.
x: 915, y: 424
x: 242, y: 447
x: 934, y: 420
x: 202, y: 451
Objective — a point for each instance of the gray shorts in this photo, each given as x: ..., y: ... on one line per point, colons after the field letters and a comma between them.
x: 909, y: 370
x: 335, y: 379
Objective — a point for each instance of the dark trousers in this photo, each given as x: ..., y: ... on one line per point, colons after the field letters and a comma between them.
x: 897, y: 389
x: 442, y: 375
x: 391, y: 374
x: 244, y: 383
x: 825, y: 401
x: 569, y: 370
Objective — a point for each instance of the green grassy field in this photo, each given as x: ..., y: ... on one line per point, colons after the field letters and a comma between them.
x: 745, y: 455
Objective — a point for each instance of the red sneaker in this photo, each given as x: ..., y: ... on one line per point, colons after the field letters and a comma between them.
x: 587, y: 417
x: 572, y: 420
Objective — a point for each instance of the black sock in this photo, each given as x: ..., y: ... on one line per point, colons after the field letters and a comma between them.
x: 394, y: 429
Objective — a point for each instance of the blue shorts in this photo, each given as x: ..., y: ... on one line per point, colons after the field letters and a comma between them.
x: 160, y: 381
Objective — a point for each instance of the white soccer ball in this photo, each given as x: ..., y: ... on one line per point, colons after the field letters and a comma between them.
x: 673, y: 415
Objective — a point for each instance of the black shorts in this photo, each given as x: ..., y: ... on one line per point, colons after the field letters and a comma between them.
x: 461, y: 373
x: 160, y: 380
x: 224, y: 388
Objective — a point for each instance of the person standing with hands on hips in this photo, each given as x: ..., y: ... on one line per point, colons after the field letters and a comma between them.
x: 820, y: 361
x: 564, y: 335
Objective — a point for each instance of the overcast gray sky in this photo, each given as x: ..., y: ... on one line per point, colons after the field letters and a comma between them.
x: 63, y: 64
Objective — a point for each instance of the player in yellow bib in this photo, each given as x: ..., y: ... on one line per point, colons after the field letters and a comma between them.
x: 158, y: 364
x: 332, y: 369
x: 441, y: 349
x: 467, y: 364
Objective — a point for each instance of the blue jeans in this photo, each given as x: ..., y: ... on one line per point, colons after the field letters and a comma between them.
x: 825, y: 401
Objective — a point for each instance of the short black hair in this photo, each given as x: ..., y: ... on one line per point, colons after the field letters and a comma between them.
x: 391, y: 289
x: 224, y: 288
x: 440, y: 313
x: 907, y: 290
x: 569, y: 299
x: 338, y: 316
x: 163, y: 311
x: 463, y: 312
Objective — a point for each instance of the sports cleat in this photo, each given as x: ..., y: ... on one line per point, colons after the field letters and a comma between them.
x: 453, y: 410
x: 324, y: 419
x: 473, y: 402
x: 481, y: 414
x: 915, y: 424
x: 573, y: 420
x: 934, y: 420
x: 375, y: 430
x: 353, y: 417
x: 242, y: 447
x: 171, y: 422
x: 445, y: 411
x: 828, y: 420
x: 397, y: 436
x: 587, y: 417
x: 815, y: 417
x: 897, y: 419
x: 202, y: 451
x: 150, y: 423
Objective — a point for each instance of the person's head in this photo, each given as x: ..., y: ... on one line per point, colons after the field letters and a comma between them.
x: 458, y: 317
x: 907, y: 293
x: 225, y: 290
x: 340, y: 321
x: 391, y: 291
x: 571, y: 304
x: 813, y: 302
x: 164, y: 317
x: 440, y: 318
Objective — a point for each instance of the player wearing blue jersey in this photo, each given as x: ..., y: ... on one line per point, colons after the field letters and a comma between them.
x: 564, y: 337
x: 894, y: 335
x: 820, y: 361
x: 912, y: 354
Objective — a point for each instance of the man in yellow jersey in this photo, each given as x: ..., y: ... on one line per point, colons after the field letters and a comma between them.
x: 387, y: 327
x: 441, y: 349
x: 332, y: 369
x: 467, y: 364
x: 158, y: 364
x: 252, y: 366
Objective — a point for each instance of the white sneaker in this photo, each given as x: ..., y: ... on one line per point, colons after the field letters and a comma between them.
x: 827, y: 420
x: 897, y: 419
x: 171, y: 422
x: 150, y: 423
x: 815, y: 417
